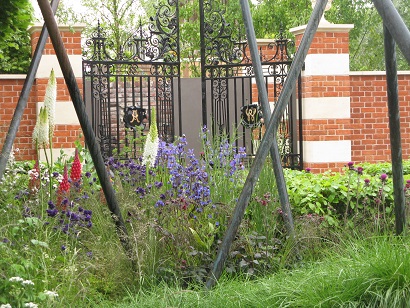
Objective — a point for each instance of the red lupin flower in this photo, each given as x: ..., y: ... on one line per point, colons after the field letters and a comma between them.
x: 75, y: 172
x: 63, y: 189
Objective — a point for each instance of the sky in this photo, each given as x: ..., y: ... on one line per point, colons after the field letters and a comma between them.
x: 75, y: 4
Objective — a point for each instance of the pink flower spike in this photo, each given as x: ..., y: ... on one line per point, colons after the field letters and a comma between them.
x: 75, y: 172
x: 63, y: 189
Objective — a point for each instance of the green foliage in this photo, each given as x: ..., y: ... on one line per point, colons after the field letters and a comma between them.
x: 190, y: 28
x: 119, y: 18
x: 15, y: 18
x: 385, y: 167
x: 358, y: 273
x: 177, y: 212
x: 55, y: 249
x: 366, y: 38
x: 337, y: 195
x: 270, y: 16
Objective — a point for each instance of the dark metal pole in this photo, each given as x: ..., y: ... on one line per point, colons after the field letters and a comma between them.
x: 86, y: 127
x: 203, y: 79
x: 179, y: 76
x: 394, y: 125
x: 263, y: 97
x: 25, y: 92
x: 266, y: 142
x: 393, y: 22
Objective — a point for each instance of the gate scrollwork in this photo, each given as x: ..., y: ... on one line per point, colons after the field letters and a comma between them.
x: 139, y: 75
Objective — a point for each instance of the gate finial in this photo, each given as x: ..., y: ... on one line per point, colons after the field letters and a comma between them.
x: 327, y: 8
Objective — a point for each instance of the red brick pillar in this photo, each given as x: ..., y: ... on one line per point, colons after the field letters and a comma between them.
x: 67, y: 127
x: 10, y: 89
x: 326, y: 98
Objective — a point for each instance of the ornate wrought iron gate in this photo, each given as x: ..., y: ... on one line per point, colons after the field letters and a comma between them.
x: 122, y: 88
x: 229, y: 93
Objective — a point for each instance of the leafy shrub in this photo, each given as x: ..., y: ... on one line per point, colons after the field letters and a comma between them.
x: 338, y: 196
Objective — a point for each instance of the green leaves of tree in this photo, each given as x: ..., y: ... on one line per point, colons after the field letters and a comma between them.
x: 366, y: 38
x: 15, y: 18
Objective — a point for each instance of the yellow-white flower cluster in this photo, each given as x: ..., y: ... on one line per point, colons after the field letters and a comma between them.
x: 151, y: 144
x: 44, y: 128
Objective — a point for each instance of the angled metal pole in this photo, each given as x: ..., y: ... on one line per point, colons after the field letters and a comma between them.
x: 397, y: 28
x: 394, y: 125
x: 25, y: 92
x: 86, y: 127
x: 203, y: 71
x: 266, y: 142
x: 263, y: 96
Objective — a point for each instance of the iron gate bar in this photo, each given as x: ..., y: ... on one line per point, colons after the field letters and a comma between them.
x: 266, y: 142
x: 397, y: 28
x: 25, y: 92
x: 89, y: 135
x: 394, y: 126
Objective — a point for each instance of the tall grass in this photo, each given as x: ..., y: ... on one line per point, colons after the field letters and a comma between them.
x: 374, y: 272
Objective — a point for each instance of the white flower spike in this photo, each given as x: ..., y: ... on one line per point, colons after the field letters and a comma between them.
x: 50, y: 101
x: 41, y: 130
x: 151, y: 144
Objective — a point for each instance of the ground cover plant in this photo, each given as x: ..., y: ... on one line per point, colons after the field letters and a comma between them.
x: 59, y: 246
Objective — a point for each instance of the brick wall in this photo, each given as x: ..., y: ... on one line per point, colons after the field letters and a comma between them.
x: 345, y: 114
x: 369, y: 115
x: 67, y: 128
x: 10, y: 89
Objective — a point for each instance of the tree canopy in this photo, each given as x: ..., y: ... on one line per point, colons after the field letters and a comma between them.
x: 366, y: 38
x: 120, y: 19
x: 15, y: 18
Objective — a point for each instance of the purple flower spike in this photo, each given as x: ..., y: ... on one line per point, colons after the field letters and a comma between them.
x: 360, y: 170
x: 383, y: 177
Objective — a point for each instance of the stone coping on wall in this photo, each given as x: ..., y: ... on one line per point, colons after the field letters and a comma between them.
x: 324, y: 27
x: 12, y: 76
x: 266, y: 41
x: 376, y: 73
x: 37, y: 27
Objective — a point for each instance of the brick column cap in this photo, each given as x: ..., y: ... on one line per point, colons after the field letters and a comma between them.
x: 324, y: 27
x: 37, y: 27
x: 12, y: 76
x: 263, y: 42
